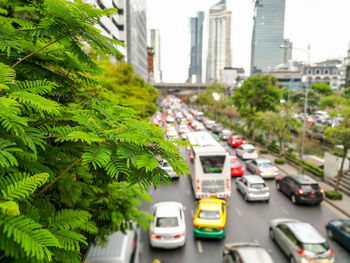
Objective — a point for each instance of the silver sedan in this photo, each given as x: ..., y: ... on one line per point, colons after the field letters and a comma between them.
x: 263, y: 167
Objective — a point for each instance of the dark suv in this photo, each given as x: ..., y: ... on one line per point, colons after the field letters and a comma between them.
x: 300, y: 188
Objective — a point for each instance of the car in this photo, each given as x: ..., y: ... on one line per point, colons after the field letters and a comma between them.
x: 170, y: 119
x: 245, y: 252
x: 300, y: 241
x: 167, y: 167
x: 301, y: 189
x: 209, y: 124
x: 168, y: 230
x: 172, y: 134
x: 119, y: 248
x: 225, y: 134
x: 237, y: 169
x: 262, y: 167
x: 210, y: 218
x: 183, y: 128
x: 253, y: 188
x: 247, y: 151
x: 217, y: 128
x: 339, y: 230
x: 235, y: 140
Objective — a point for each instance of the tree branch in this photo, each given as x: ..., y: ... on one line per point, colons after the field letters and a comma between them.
x: 60, y: 175
x: 38, y: 50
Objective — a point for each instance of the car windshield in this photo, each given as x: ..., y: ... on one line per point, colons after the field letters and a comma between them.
x: 209, y: 214
x: 235, y: 163
x: 346, y: 228
x: 316, y: 248
x: 258, y: 186
x: 167, y: 222
x: 265, y: 165
x: 249, y: 150
x: 237, y: 138
x: 309, y: 187
x: 226, y: 132
x: 212, y: 164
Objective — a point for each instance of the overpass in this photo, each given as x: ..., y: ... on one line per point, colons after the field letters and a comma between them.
x: 171, y: 88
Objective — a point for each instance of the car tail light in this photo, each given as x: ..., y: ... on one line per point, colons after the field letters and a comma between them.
x: 155, y: 236
x: 267, y: 189
x: 202, y: 196
x: 301, y: 252
x: 321, y: 191
x: 178, y: 236
x: 227, y: 183
x: 260, y: 172
x: 300, y: 191
x: 220, y: 227
x: 331, y: 252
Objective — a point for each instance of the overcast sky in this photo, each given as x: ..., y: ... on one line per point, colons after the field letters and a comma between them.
x: 324, y: 24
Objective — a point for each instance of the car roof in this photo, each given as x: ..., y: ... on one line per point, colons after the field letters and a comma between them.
x: 167, y: 209
x: 248, y: 146
x: 254, y: 254
x: 211, y: 203
x: 254, y: 178
x: 303, y: 179
x: 261, y: 160
x: 305, y: 232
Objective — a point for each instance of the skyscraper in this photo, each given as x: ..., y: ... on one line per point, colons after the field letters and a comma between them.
x: 219, y: 44
x: 267, y: 35
x: 196, y: 27
x: 154, y: 43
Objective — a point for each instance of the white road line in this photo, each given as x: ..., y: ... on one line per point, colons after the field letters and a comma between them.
x: 256, y: 241
x: 238, y: 211
x: 284, y: 210
x: 188, y: 191
x: 199, y: 246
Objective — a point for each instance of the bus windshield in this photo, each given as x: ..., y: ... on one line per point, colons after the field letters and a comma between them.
x: 212, y: 164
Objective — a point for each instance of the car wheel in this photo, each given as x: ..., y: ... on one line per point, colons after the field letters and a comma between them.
x: 272, y: 236
x: 293, y: 199
x: 246, y: 197
x: 329, y: 233
x: 292, y: 259
x: 278, y: 186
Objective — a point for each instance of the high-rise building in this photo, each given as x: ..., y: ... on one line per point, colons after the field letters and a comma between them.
x: 196, y: 28
x: 267, y: 35
x: 136, y: 35
x: 154, y: 43
x: 128, y: 25
x: 219, y: 43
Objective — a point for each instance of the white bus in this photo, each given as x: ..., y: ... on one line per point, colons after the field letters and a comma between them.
x: 209, y: 166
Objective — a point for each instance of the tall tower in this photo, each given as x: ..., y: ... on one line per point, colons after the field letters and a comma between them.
x: 219, y: 44
x: 267, y: 35
x: 154, y: 42
x: 196, y: 27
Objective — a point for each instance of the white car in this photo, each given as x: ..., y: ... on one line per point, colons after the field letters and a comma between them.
x: 167, y: 167
x: 168, y: 230
x: 170, y: 119
x: 262, y: 167
x: 172, y: 134
x: 247, y: 151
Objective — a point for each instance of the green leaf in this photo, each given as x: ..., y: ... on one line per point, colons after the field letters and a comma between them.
x: 10, y: 208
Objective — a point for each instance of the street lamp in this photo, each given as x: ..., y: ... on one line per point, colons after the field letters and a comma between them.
x: 306, y: 99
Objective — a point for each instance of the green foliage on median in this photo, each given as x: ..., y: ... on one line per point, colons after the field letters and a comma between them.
x: 333, y: 195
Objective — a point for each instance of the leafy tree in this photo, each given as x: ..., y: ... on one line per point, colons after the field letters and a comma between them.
x: 257, y: 94
x: 341, y: 135
x: 330, y: 102
x: 313, y: 99
x: 322, y: 88
x: 206, y: 98
x: 278, y: 124
x: 74, y: 164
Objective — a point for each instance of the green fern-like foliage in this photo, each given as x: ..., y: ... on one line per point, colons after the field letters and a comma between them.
x: 76, y: 151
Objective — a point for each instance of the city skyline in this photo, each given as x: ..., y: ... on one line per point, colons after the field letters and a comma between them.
x: 324, y: 35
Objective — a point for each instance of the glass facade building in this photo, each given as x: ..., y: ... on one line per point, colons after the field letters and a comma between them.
x: 196, y: 28
x: 219, y: 43
x: 136, y: 36
x: 267, y: 35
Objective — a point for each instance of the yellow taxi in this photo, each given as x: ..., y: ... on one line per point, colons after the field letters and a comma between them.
x: 210, y: 218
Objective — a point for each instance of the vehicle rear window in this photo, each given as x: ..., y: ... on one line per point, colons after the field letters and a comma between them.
x: 212, y: 164
x: 209, y: 214
x: 235, y: 163
x: 316, y: 248
x: 258, y: 186
x: 265, y: 165
x: 249, y: 150
x: 167, y: 222
x: 237, y: 138
x: 309, y: 187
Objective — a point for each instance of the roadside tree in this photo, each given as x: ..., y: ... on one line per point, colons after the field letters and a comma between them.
x: 322, y: 88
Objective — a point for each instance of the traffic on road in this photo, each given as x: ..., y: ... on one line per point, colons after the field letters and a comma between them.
x: 236, y: 206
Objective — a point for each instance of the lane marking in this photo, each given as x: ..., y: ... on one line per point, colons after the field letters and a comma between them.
x: 238, y: 211
x: 256, y: 241
x: 188, y: 191
x: 284, y: 210
x: 199, y: 246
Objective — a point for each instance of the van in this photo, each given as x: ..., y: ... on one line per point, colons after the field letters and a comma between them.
x: 120, y: 248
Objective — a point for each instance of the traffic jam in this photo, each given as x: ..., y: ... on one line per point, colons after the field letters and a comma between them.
x: 221, y: 161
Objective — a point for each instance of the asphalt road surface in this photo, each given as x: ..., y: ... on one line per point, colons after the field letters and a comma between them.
x: 246, y: 222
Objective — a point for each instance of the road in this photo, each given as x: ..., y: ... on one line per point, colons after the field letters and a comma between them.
x: 246, y: 222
